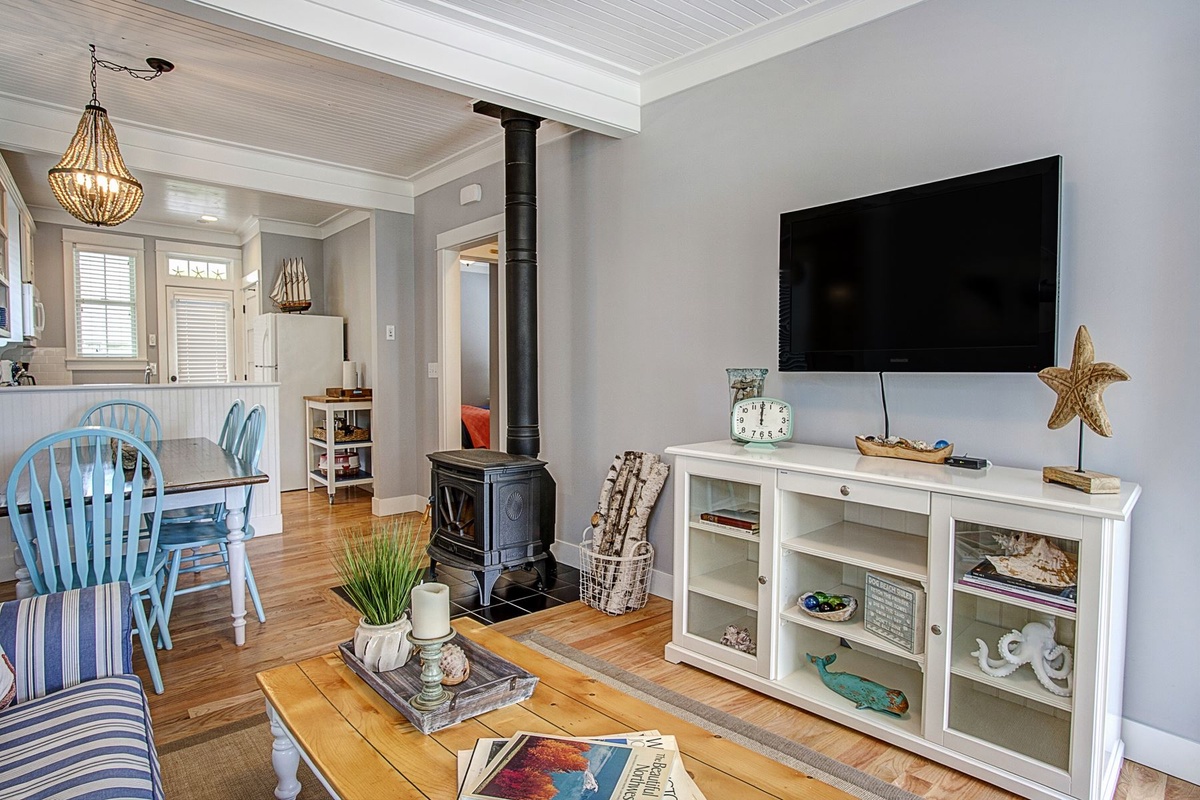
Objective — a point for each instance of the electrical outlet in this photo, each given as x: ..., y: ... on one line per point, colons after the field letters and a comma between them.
x: 389, y: 332
x: 153, y: 340
x: 434, y: 370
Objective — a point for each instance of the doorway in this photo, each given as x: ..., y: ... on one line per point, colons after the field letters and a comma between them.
x: 471, y: 343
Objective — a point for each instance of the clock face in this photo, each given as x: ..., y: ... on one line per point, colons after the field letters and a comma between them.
x: 761, y: 419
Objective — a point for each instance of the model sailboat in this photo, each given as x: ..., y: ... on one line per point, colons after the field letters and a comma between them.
x: 291, y: 292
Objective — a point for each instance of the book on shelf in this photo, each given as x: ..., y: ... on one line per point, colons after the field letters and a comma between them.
x: 986, y: 576
x: 644, y: 764
x: 743, y: 519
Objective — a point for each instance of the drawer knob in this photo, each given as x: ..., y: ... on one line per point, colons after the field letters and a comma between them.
x: 936, y: 630
x: 762, y: 580
x: 845, y: 490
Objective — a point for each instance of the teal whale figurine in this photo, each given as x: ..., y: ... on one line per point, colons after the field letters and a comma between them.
x: 862, y: 692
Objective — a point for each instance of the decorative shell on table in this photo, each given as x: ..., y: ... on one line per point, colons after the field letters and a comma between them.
x: 456, y: 667
x: 1034, y: 558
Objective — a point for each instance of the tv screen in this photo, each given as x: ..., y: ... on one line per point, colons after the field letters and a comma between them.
x: 960, y: 275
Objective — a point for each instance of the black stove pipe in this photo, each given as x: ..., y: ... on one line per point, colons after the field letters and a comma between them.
x: 520, y: 259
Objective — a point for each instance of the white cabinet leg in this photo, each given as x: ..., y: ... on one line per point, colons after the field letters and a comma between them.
x: 285, y: 759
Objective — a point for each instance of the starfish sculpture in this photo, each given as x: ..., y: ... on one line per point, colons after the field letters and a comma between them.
x: 1079, y: 388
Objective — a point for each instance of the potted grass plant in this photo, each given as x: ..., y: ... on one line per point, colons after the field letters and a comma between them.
x: 378, y: 567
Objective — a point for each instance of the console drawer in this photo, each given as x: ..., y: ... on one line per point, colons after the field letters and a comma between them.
x: 871, y: 494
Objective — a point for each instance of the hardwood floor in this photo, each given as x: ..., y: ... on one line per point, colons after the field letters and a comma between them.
x: 209, y: 682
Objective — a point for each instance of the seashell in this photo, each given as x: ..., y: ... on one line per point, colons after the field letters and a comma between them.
x: 456, y: 667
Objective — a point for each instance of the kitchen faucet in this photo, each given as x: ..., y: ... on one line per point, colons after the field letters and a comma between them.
x: 149, y: 372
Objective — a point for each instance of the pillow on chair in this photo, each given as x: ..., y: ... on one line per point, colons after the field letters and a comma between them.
x: 8, y: 681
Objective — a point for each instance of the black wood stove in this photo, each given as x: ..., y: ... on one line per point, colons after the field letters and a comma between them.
x: 491, y: 511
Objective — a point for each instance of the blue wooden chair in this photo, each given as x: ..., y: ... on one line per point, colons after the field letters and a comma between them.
x: 125, y: 415
x: 189, y: 547
x: 84, y: 524
x: 229, y: 442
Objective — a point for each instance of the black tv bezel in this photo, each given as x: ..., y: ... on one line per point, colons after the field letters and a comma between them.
x: 1028, y: 358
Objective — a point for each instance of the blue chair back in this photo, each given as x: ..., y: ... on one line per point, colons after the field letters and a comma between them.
x: 83, y: 527
x: 250, y: 443
x: 232, y: 426
x: 125, y: 415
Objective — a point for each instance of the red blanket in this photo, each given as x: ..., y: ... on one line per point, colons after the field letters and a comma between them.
x: 479, y: 425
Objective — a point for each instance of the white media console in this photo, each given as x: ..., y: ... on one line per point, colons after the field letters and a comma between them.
x: 828, y: 516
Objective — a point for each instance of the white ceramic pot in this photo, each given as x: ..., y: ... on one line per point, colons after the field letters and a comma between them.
x: 383, y: 647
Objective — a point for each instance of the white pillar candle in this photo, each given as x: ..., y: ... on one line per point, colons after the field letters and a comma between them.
x: 430, y: 610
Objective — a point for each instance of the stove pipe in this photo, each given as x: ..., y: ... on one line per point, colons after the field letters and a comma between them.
x: 520, y: 259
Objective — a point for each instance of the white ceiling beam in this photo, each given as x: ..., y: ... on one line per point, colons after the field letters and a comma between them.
x: 434, y: 50
x: 39, y: 127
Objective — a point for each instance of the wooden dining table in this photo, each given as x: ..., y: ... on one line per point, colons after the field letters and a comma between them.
x: 195, y: 472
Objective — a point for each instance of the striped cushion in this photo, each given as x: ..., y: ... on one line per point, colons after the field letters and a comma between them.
x: 91, y: 741
x: 56, y: 641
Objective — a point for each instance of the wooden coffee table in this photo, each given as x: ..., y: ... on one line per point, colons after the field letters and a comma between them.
x: 361, y: 747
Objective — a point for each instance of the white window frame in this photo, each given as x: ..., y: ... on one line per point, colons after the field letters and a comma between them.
x: 73, y: 237
x: 163, y: 250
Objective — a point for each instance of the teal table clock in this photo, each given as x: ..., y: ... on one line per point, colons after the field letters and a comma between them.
x: 760, y: 422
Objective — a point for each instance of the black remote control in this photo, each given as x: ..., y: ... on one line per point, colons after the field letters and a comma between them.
x: 968, y: 462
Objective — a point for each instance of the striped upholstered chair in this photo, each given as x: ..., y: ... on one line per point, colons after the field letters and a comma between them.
x: 80, y: 726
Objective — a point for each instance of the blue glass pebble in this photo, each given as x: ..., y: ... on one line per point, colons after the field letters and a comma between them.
x: 939, y: 444
x: 811, y: 603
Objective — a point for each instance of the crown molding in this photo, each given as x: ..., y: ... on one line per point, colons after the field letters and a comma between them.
x: 437, y: 50
x: 158, y: 230
x: 35, y: 126
x: 476, y: 158
x: 343, y: 220
x: 792, y: 31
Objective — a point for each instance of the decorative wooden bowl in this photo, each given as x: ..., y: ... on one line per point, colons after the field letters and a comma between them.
x: 832, y: 616
x: 902, y: 449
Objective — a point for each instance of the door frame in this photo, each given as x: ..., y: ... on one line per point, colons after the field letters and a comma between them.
x: 449, y: 302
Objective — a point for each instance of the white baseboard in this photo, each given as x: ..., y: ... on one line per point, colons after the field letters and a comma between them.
x: 662, y: 584
x: 387, y: 506
x: 1162, y: 751
x: 267, y: 525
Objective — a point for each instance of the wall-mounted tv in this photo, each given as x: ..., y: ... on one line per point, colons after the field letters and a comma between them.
x: 960, y: 275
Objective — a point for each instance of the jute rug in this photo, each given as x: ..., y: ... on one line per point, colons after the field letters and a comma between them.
x: 234, y: 762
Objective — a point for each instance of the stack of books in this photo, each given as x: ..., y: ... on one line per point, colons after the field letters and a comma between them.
x: 742, y: 519
x: 537, y: 766
x: 985, y: 575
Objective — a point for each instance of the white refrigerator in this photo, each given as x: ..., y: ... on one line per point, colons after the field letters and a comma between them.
x: 303, y: 354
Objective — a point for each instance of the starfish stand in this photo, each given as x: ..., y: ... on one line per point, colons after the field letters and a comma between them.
x: 1080, y: 478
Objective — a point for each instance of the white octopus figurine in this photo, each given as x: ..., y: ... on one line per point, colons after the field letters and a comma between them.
x: 1033, y: 645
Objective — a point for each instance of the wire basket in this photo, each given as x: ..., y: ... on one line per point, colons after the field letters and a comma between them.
x: 614, y: 584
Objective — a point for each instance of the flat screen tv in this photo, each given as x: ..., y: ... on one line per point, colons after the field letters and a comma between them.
x: 960, y: 275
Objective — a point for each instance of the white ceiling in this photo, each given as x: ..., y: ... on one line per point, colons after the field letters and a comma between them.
x: 359, y: 103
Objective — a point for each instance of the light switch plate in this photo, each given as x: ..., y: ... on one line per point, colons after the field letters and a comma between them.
x: 434, y: 371
x: 389, y: 332
x: 153, y: 340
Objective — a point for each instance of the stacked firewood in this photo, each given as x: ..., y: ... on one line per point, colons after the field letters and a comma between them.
x: 619, y: 526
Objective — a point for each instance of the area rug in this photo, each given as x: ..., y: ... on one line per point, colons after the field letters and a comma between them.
x: 233, y: 762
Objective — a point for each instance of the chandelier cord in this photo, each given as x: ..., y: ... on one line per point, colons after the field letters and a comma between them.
x: 140, y: 74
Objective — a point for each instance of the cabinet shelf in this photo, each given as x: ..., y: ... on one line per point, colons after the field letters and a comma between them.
x: 736, y: 583
x: 357, y: 479
x: 725, y: 530
x: 852, y: 630
x: 340, y: 445
x: 1031, y: 605
x: 900, y: 554
x: 1022, y: 683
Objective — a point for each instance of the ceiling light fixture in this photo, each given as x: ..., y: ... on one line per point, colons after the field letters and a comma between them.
x: 91, y: 181
x: 208, y: 218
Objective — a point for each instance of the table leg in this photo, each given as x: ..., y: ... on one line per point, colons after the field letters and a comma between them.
x: 235, y: 519
x: 285, y: 759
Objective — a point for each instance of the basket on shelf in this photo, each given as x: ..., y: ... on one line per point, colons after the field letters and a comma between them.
x: 841, y: 615
x: 614, y: 584
x: 344, y: 433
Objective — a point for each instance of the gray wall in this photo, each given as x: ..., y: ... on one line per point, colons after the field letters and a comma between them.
x: 278, y: 247
x: 349, y: 293
x: 476, y: 342
x: 659, y: 263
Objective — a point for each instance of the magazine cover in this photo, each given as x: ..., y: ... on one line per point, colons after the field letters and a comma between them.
x: 541, y: 767
x: 985, y: 573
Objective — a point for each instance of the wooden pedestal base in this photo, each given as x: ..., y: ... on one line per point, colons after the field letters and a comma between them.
x: 1085, y: 481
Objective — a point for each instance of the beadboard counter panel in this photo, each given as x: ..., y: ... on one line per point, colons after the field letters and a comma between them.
x: 30, y: 412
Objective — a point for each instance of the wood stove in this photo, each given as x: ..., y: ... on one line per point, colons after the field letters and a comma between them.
x: 491, y: 511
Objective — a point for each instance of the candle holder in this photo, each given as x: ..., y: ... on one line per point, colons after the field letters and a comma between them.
x: 433, y: 694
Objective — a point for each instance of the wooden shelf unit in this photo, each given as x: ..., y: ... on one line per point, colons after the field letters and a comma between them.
x: 827, y: 516
x: 324, y: 410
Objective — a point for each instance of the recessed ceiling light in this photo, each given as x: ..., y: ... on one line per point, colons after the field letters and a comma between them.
x: 207, y: 218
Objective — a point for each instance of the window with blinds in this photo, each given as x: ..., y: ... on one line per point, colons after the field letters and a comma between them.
x: 202, y: 337
x: 105, y: 302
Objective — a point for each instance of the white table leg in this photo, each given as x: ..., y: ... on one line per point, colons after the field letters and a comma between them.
x: 285, y: 759
x: 235, y: 519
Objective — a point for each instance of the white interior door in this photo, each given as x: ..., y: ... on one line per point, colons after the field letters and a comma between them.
x: 200, y: 325
x: 250, y: 311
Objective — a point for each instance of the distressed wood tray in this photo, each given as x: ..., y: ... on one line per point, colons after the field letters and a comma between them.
x: 493, y: 683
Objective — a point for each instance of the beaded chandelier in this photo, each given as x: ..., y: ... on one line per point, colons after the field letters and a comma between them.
x: 91, y: 180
